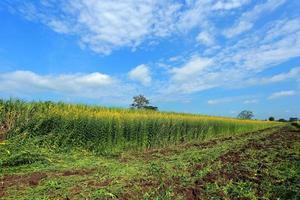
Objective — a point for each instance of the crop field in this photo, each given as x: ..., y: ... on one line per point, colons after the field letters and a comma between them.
x: 62, y: 151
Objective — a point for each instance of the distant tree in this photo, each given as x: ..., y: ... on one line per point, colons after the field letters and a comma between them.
x: 139, y: 102
x: 293, y: 119
x: 246, y: 114
x: 282, y: 120
x: 271, y: 119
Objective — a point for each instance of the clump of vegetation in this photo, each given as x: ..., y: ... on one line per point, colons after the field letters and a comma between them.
x: 107, y: 130
x: 23, y: 158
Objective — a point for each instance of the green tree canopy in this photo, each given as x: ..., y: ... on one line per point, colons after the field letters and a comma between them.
x: 246, y: 114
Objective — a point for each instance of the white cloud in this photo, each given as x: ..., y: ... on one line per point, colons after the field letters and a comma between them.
x: 250, y: 101
x: 205, y: 38
x: 197, y: 12
x: 58, y: 26
x: 220, y: 101
x: 142, y: 74
x: 174, y: 58
x: 247, y: 20
x: 262, y: 49
x: 280, y: 94
x: 240, y: 64
x: 229, y: 4
x: 93, y: 85
x: 104, y: 26
x: 292, y: 74
x: 243, y: 99
x: 193, y: 67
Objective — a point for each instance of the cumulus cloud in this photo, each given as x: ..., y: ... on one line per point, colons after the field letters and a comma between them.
x: 142, y: 74
x: 280, y: 94
x: 93, y: 85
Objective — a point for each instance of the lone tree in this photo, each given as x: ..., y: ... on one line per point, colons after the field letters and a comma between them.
x: 246, y: 114
x: 271, y: 119
x: 141, y: 102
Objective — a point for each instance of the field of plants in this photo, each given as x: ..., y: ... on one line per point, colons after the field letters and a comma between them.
x: 108, y: 130
x: 63, y: 151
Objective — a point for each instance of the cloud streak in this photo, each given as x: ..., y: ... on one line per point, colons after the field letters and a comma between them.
x: 281, y: 94
x: 247, y: 20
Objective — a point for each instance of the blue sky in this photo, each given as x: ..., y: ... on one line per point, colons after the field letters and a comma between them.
x: 214, y: 57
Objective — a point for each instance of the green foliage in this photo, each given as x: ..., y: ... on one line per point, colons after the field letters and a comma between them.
x: 23, y: 158
x: 139, y: 102
x: 104, y: 194
x: 111, y: 130
x: 271, y: 119
x: 240, y: 190
x: 245, y: 114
